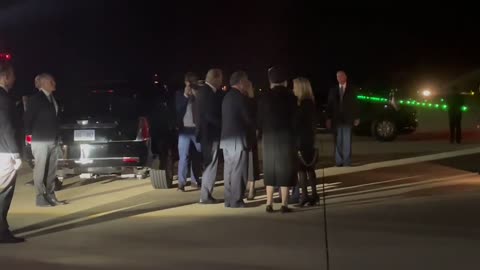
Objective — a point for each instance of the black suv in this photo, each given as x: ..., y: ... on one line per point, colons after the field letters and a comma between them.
x: 112, y: 128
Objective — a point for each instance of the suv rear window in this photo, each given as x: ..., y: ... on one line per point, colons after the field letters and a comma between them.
x: 102, y: 104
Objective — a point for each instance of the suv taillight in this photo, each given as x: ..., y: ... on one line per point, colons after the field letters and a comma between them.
x: 28, y: 139
x: 143, y: 129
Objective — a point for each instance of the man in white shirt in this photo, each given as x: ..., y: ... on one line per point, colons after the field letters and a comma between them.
x: 41, y: 122
x: 343, y: 115
x: 209, y: 129
x: 10, y: 160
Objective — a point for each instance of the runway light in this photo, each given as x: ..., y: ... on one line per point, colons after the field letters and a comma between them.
x: 426, y: 93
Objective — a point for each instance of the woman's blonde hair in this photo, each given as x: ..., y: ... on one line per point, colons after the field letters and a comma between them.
x: 303, y: 89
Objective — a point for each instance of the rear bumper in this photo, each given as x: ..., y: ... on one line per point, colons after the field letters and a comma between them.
x: 103, y: 158
x: 96, y: 166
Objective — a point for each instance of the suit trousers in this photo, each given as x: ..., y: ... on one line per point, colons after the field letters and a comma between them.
x: 343, y: 146
x: 210, y: 172
x: 7, y: 187
x: 455, y: 119
x: 46, y: 157
x: 235, y: 176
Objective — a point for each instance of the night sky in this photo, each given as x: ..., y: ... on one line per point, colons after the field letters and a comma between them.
x: 94, y: 40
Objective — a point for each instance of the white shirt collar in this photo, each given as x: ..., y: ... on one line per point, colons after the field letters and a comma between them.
x: 45, y: 92
x: 213, y: 87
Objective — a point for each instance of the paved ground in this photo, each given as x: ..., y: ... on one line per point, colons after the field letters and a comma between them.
x: 419, y: 216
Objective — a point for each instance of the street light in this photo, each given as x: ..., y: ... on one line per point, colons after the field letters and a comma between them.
x: 426, y: 93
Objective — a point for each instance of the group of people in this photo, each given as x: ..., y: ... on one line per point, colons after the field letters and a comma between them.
x: 210, y: 122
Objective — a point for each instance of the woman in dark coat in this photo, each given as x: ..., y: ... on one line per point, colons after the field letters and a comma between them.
x: 276, y: 120
x: 305, y: 140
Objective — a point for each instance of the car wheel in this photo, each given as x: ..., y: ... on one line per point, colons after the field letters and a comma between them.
x: 384, y: 130
x: 161, y: 172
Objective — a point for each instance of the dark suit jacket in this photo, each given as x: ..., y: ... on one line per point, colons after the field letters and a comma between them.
x: 209, y: 115
x: 41, y: 120
x: 236, y: 121
x: 305, y: 122
x: 455, y: 102
x: 8, y: 144
x: 346, y: 111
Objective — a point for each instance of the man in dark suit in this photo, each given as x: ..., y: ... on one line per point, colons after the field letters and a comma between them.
x: 185, y: 105
x: 10, y: 160
x: 41, y: 122
x: 236, y: 123
x: 343, y: 115
x: 455, y: 101
x: 209, y: 128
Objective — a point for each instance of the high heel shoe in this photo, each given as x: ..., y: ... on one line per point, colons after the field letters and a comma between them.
x: 315, y: 200
x: 251, y: 196
x: 303, y: 202
x: 269, y: 209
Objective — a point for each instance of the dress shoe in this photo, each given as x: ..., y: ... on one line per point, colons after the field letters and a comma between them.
x: 304, y: 201
x: 53, y: 198
x: 208, y: 201
x: 285, y: 210
x: 195, y: 186
x: 43, y: 202
x: 238, y: 205
x: 315, y: 200
x: 9, y: 238
x: 269, y: 209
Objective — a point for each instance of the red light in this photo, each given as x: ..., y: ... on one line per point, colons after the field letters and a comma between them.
x: 110, y: 91
x: 28, y: 139
x: 131, y: 160
x: 144, y: 129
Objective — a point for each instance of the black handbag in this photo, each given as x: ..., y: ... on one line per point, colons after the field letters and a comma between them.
x: 307, y: 163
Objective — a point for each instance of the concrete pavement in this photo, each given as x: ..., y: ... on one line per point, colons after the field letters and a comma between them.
x: 419, y: 216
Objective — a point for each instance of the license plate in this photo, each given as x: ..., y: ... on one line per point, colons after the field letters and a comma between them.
x: 84, y: 135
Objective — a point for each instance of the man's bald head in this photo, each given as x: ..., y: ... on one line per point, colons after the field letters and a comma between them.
x: 46, y: 82
x: 215, y: 78
x: 7, y: 75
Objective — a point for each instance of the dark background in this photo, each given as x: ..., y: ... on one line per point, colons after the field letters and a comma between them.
x: 89, y: 40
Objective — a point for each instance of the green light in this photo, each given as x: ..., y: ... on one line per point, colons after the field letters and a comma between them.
x: 408, y: 102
